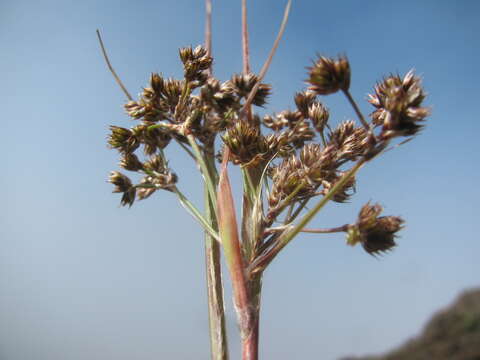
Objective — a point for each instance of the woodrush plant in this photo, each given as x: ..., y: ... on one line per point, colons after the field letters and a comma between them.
x: 287, y: 160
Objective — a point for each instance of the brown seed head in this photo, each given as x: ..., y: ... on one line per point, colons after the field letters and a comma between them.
x: 159, y: 175
x: 150, y: 107
x: 157, y: 84
x: 311, y: 169
x: 300, y: 133
x: 304, y: 100
x: 135, y: 109
x: 318, y: 164
x: 291, y: 118
x: 282, y: 147
x: 195, y: 62
x: 242, y: 84
x: 153, y: 139
x: 156, y: 164
x: 217, y: 96
x: 124, y: 140
x: 171, y: 92
x: 376, y: 234
x: 286, y: 177
x: 329, y: 75
x: 345, y: 193
x: 123, y: 185
x: 398, y: 102
x: 350, y: 141
x: 130, y: 162
x: 319, y: 115
x: 144, y: 193
x: 276, y: 122
x: 246, y: 143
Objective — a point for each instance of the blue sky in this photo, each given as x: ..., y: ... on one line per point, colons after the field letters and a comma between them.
x: 82, y: 278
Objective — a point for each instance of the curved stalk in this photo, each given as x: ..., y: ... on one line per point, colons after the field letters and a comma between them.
x: 357, y: 110
x: 187, y: 204
x: 110, y: 67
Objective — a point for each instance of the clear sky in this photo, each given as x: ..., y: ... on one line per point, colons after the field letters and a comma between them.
x: 82, y: 278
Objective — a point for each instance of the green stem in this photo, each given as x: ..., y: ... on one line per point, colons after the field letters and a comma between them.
x: 357, y: 109
x: 297, y: 211
x: 216, y: 308
x: 203, y: 166
x: 187, y: 204
x: 185, y: 148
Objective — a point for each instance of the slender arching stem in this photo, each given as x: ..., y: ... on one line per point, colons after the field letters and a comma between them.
x: 110, y: 67
x: 356, y: 109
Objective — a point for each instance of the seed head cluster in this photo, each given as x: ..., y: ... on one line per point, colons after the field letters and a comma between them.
x: 302, y: 153
x: 398, y: 103
x: 328, y: 75
x: 376, y: 234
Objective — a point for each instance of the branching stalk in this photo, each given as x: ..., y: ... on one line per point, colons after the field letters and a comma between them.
x: 357, y: 109
x: 216, y: 308
x: 262, y: 261
x: 203, y: 166
x: 342, y: 228
x: 198, y: 109
x: 267, y: 63
x: 110, y: 67
x: 187, y: 204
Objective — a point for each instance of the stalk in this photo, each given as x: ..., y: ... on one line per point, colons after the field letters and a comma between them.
x: 251, y: 210
x: 251, y: 232
x: 245, y: 41
x: 249, y: 219
x: 112, y: 70
x: 357, y: 110
x: 216, y: 308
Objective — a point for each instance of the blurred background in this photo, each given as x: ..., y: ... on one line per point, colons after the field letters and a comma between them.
x: 82, y: 278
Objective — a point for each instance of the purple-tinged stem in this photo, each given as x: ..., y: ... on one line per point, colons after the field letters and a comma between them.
x: 342, y: 228
x: 245, y: 40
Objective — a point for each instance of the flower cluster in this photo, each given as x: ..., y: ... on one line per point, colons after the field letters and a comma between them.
x: 328, y: 75
x: 376, y: 234
x: 169, y: 109
x: 398, y: 104
x: 300, y: 154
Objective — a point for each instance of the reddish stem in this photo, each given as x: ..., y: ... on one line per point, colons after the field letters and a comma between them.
x: 245, y: 41
x: 208, y: 30
x: 250, y: 344
x: 342, y: 228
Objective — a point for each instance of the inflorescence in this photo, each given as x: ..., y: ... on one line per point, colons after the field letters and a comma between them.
x: 302, y: 155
